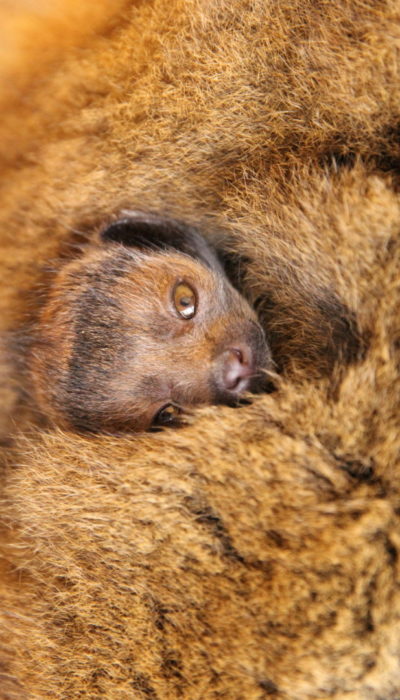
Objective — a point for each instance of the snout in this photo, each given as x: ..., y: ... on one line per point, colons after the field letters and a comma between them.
x: 239, y: 365
x: 237, y: 368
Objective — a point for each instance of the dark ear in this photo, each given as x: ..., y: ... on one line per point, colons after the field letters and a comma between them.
x: 149, y: 231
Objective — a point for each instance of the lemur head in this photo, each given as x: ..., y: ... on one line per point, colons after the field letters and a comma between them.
x: 142, y: 326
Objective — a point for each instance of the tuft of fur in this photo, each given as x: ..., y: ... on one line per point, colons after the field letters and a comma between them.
x: 254, y: 553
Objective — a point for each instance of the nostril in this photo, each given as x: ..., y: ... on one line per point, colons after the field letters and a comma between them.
x: 243, y: 353
x: 238, y: 354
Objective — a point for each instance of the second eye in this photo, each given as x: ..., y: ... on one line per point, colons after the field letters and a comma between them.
x: 184, y: 299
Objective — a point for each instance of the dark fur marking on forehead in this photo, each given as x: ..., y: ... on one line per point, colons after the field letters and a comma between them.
x: 149, y: 231
x: 107, y: 272
x: 97, y: 339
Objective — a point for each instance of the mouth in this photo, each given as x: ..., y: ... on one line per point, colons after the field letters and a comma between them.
x: 242, y: 385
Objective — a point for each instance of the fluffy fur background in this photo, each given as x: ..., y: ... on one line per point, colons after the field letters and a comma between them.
x: 253, y: 554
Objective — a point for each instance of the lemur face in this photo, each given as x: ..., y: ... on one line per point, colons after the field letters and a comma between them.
x: 139, y: 329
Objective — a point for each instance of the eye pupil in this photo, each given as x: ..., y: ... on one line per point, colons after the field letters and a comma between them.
x: 166, y: 415
x: 184, y: 300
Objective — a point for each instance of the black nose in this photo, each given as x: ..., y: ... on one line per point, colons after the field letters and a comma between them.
x: 237, y: 368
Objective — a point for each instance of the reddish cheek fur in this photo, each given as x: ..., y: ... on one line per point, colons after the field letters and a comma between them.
x: 178, y: 354
x: 162, y: 327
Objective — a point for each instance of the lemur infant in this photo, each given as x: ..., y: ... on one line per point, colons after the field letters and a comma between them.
x: 142, y: 326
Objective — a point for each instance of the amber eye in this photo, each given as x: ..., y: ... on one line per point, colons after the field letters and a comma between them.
x: 184, y: 300
x: 167, y: 415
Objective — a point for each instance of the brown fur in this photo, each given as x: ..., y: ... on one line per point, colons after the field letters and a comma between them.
x: 254, y: 553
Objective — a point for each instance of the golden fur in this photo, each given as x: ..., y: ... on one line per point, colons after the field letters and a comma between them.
x: 254, y: 553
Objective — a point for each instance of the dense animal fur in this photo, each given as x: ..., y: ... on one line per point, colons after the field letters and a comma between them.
x: 254, y: 553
